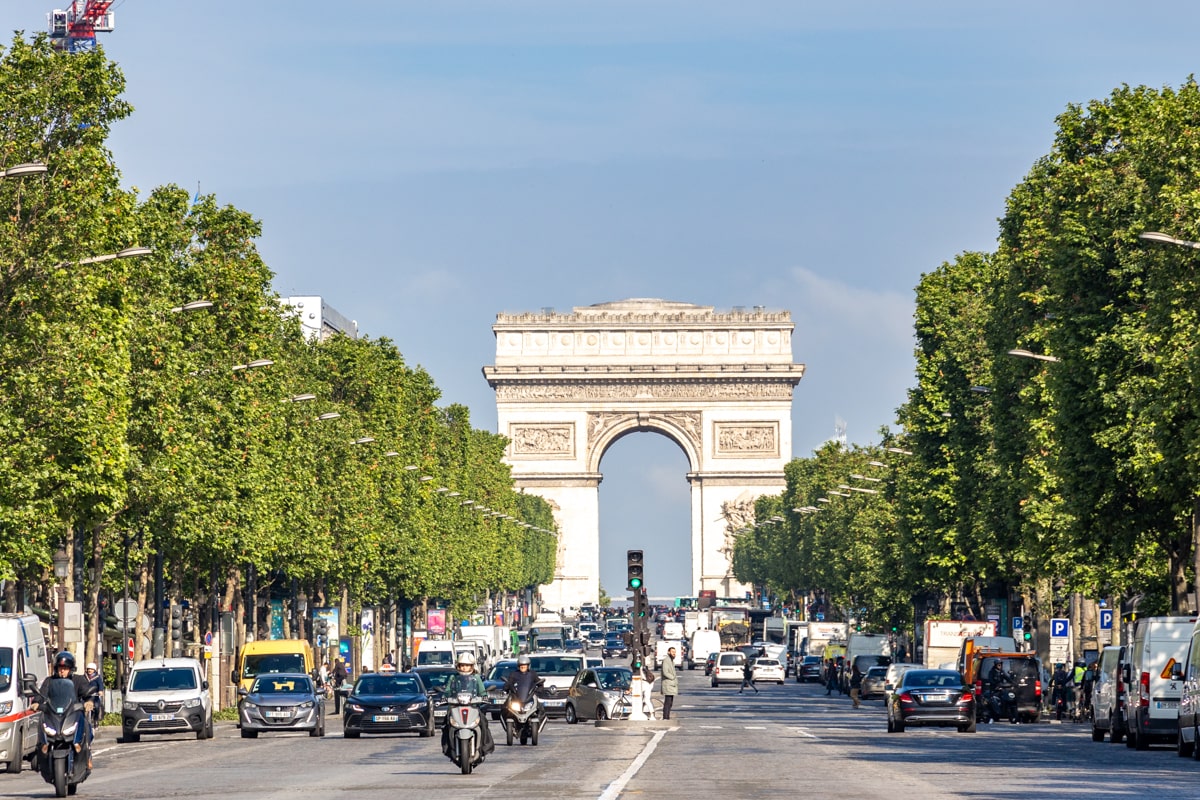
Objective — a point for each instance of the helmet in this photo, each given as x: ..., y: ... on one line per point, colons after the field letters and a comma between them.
x: 64, y: 659
x: 523, y: 660
x: 465, y: 658
x: 91, y: 665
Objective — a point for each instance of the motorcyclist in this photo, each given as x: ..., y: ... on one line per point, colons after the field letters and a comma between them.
x: 467, y: 681
x: 96, y: 693
x: 522, y: 683
x: 1059, y: 683
x: 997, y: 679
x: 64, y: 668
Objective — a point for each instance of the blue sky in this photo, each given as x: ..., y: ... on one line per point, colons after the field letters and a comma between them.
x: 427, y: 165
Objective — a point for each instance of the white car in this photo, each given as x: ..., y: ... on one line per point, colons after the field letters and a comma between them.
x: 768, y: 669
x: 728, y: 667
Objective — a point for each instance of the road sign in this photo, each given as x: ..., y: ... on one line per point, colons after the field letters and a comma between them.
x: 1018, y: 623
x: 1059, y: 650
x: 1106, y: 619
x: 126, y: 611
x: 208, y: 637
x: 1060, y: 628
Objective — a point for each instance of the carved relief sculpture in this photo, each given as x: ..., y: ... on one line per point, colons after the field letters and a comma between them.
x: 543, y: 439
x: 747, y: 440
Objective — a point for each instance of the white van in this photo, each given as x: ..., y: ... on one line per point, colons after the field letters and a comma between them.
x: 435, y: 652
x: 1156, y: 654
x: 166, y: 695
x: 704, y: 644
x: 22, y: 652
x: 1108, y: 696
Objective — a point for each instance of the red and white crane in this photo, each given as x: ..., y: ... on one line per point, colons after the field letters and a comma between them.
x: 75, y: 27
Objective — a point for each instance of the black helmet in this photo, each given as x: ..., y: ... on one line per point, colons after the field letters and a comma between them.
x: 64, y: 659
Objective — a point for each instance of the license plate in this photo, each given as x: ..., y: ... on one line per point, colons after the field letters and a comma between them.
x: 161, y: 717
x: 279, y: 713
x: 1167, y: 704
x: 386, y: 717
x: 440, y: 713
x: 554, y: 703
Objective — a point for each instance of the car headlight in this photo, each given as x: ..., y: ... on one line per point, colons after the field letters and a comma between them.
x: 306, y: 704
x: 354, y: 706
x: 6, y: 707
x: 248, y: 705
x: 415, y: 706
x: 192, y: 702
x: 129, y: 706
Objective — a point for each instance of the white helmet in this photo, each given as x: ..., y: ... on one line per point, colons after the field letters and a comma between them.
x: 91, y: 665
x: 466, y: 658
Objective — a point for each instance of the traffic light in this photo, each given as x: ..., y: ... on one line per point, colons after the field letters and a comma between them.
x: 1027, y: 627
x: 176, y: 629
x: 321, y: 630
x: 641, y: 605
x: 633, y: 569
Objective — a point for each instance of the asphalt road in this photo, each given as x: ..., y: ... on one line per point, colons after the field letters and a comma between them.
x: 787, y: 741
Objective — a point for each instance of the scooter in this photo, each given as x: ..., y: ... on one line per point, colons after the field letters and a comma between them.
x: 464, y: 723
x: 63, y: 748
x: 1002, y: 702
x: 523, y: 714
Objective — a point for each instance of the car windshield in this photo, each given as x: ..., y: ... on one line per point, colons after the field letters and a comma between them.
x: 502, y: 670
x: 291, y: 684
x: 614, y: 678
x: 6, y: 667
x: 436, y: 679
x: 921, y: 678
x: 555, y: 665
x: 258, y: 663
x: 876, y: 672
x: 387, y: 684
x: 162, y: 679
x: 435, y: 657
x: 732, y: 658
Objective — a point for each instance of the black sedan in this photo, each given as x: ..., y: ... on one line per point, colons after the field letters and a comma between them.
x: 281, y: 701
x: 433, y: 678
x: 811, y: 669
x: 931, y: 697
x: 382, y: 703
x: 614, y: 646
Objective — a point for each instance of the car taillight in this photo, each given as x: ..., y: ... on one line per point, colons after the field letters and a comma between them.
x: 905, y: 697
x: 1144, y: 702
x: 1037, y: 688
x: 979, y: 688
x: 966, y: 698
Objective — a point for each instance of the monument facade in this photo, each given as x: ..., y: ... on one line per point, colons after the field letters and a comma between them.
x: 718, y: 384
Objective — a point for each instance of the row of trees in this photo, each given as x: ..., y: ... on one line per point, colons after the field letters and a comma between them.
x: 1051, y: 443
x: 136, y: 423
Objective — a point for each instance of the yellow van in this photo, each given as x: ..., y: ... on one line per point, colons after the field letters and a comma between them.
x: 272, y: 655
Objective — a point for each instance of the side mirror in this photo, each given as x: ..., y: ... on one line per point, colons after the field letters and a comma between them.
x: 204, y: 685
x: 29, y: 683
x: 887, y: 687
x: 1177, y: 673
x: 242, y: 692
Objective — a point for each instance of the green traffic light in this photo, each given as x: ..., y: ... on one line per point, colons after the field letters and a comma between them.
x: 635, y: 583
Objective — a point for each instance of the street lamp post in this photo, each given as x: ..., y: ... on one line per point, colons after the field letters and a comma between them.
x: 62, y: 565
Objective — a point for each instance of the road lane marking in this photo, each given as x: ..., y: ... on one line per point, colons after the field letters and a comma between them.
x: 614, y: 789
x: 713, y: 727
x: 803, y: 732
x: 754, y: 727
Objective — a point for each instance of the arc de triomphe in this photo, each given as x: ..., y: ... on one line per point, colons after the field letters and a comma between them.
x: 719, y: 384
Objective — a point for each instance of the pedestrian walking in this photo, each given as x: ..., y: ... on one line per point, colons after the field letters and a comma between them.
x: 670, y: 682
x: 856, y: 677
x: 647, y: 690
x: 340, y: 674
x: 748, y: 676
x: 830, y: 676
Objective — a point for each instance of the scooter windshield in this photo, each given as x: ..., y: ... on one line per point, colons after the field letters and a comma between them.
x: 60, y: 694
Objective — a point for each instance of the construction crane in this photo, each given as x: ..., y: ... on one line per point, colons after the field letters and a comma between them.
x: 74, y: 29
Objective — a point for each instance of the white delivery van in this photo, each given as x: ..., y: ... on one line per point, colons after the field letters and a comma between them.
x: 704, y: 643
x: 1154, y: 661
x: 22, y: 652
x: 166, y: 695
x: 1108, y: 696
x: 439, y: 652
x: 662, y: 646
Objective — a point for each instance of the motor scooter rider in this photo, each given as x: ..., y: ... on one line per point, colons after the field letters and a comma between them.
x: 467, y: 681
x: 1059, y: 683
x: 997, y: 680
x: 64, y: 668
x: 524, y: 677
x: 96, y: 695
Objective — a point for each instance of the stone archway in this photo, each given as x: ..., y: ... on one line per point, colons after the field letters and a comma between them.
x: 718, y: 384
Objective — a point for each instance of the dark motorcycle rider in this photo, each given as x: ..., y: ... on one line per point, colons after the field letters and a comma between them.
x: 522, y: 683
x: 64, y: 668
x: 467, y: 681
x: 1059, y: 683
x: 998, y: 680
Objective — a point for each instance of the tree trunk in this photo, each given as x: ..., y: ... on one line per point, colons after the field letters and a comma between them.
x: 95, y: 633
x: 143, y: 584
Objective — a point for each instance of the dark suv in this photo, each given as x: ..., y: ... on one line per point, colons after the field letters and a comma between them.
x: 810, y: 670
x: 614, y: 646
x: 1027, y: 674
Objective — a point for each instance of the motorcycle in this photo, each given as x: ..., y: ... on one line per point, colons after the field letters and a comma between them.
x: 464, y: 737
x: 64, y: 749
x: 1059, y: 699
x: 523, y: 715
x: 1002, y: 702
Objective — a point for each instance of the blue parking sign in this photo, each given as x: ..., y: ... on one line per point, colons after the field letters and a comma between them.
x: 1060, y: 628
x: 1106, y: 619
x: 1018, y: 623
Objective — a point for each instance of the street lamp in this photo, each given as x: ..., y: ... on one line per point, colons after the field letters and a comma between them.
x: 194, y: 305
x: 31, y: 168
x: 1155, y: 236
x: 255, y: 364
x: 1022, y: 353
x: 128, y: 252
x: 62, y: 567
